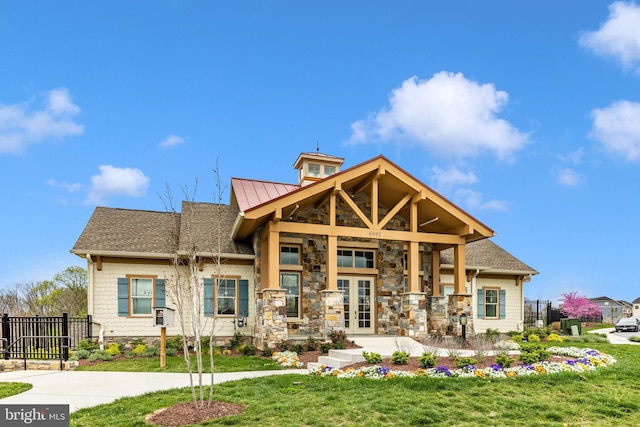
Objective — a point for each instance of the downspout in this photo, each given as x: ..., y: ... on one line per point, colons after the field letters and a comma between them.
x: 90, y: 274
x: 474, y: 295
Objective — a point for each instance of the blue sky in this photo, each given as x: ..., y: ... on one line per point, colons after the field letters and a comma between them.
x: 525, y: 114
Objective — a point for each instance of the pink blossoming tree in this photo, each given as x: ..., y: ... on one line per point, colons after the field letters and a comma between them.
x: 574, y: 305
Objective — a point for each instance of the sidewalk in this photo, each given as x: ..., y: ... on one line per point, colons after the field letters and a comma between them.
x: 81, y: 389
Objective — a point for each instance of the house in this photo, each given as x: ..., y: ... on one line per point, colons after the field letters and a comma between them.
x: 368, y: 250
x: 612, y: 310
x: 636, y: 307
x: 627, y: 308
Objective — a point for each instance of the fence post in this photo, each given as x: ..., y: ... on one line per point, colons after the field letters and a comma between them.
x: 89, y: 323
x: 6, y: 332
x: 64, y: 350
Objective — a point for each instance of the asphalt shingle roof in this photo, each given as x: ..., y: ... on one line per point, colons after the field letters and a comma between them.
x: 485, y: 253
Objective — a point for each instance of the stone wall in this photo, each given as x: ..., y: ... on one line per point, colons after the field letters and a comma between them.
x: 36, y: 365
x: 271, y: 325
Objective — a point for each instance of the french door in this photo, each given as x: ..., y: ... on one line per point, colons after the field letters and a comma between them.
x: 359, y: 304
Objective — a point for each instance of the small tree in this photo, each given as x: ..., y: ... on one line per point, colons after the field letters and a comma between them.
x: 574, y: 305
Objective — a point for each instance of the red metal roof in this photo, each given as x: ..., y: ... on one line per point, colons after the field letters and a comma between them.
x: 250, y: 192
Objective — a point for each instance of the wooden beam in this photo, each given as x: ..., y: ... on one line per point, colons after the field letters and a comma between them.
x: 413, y: 267
x: 435, y: 272
x: 459, y: 269
x: 356, y: 209
x: 99, y: 263
x: 401, y: 204
x: 332, y: 263
x: 374, y: 202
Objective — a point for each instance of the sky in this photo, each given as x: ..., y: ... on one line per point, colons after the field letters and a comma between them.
x: 525, y: 114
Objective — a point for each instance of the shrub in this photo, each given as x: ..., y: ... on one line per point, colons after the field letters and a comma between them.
x: 517, y: 338
x: 113, y: 349
x: 325, y: 347
x: 492, y: 335
x: 555, y: 326
x: 295, y: 348
x: 267, y: 352
x: 428, y: 360
x: 171, y: 351
x: 634, y: 338
x: 128, y: 354
x: 461, y: 362
x: 204, y: 343
x: 553, y: 337
x: 534, y: 338
x: 532, y: 353
x: 504, y: 360
x: 311, y: 344
x: 80, y: 354
x: 337, y: 336
x: 236, y: 339
x: 100, y: 355
x: 399, y: 357
x: 138, y: 349
x: 283, y: 346
x: 339, y: 345
x: 87, y: 344
x: 372, y: 357
x: 247, y: 349
x: 175, y: 342
x: 150, y: 352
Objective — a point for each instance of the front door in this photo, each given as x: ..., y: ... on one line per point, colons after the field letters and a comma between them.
x: 359, y: 307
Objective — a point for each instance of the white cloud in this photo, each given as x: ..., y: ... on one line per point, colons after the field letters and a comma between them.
x: 171, y: 141
x: 448, y: 114
x: 445, y: 179
x: 619, y: 36
x: 570, y: 178
x: 71, y: 188
x: 573, y: 157
x: 20, y: 126
x: 473, y: 200
x: 617, y: 127
x: 113, y: 181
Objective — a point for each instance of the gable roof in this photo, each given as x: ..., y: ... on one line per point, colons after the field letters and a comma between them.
x: 394, y: 185
x: 152, y: 234
x: 487, y: 256
x: 248, y: 193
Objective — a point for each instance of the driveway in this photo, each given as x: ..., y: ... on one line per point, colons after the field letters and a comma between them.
x: 617, y: 337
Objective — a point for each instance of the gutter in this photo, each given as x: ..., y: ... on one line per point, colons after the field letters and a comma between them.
x: 236, y: 225
x: 151, y: 255
x: 492, y: 270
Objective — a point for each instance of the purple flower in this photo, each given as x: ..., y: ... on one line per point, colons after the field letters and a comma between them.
x: 383, y: 371
x: 593, y: 353
x: 527, y: 366
x: 469, y: 368
x: 496, y: 367
x: 443, y: 370
x: 327, y: 369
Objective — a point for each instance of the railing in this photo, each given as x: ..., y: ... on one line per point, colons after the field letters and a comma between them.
x: 57, y: 346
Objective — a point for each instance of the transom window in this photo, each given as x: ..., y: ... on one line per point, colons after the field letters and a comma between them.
x: 491, y: 303
x: 329, y: 170
x: 290, y: 255
x: 226, y: 297
x: 355, y: 258
x: 290, y: 282
x: 141, y: 295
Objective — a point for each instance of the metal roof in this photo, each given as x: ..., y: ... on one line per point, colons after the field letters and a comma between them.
x: 250, y: 192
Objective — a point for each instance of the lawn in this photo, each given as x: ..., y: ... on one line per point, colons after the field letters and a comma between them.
x: 9, y: 389
x: 608, y: 397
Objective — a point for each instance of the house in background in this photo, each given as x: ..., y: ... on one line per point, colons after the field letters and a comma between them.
x: 368, y: 250
x: 627, y: 308
x: 612, y: 310
x: 636, y: 307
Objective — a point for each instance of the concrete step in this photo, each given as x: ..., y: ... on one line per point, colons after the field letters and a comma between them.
x: 338, y: 358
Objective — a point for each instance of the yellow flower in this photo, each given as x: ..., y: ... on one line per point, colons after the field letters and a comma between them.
x: 510, y: 374
x: 479, y: 374
x: 360, y: 374
x: 390, y: 375
x: 540, y: 370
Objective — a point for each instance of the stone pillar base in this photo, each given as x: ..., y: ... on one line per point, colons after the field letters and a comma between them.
x: 271, y: 325
x: 332, y: 314
x: 458, y: 304
x: 414, y: 309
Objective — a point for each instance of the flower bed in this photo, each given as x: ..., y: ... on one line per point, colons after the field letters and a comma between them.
x: 585, y: 360
x: 287, y: 359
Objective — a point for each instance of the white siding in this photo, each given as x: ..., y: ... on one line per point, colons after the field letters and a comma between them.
x: 104, y: 307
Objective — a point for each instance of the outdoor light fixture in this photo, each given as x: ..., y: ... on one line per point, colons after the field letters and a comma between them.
x: 463, y: 323
x: 463, y: 319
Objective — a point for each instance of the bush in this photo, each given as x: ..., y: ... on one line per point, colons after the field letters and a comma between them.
x: 80, y: 354
x: 492, y: 335
x: 517, y: 338
x: 553, y: 337
x: 325, y: 347
x: 236, y: 339
x: 372, y: 357
x: 532, y: 353
x: 113, y: 349
x: 87, y: 344
x: 175, y: 342
x: 337, y: 336
x: 504, y: 360
x: 428, y: 360
x: 267, y: 352
x: 296, y: 348
x: 150, y: 352
x: 283, y: 346
x: 461, y: 362
x: 534, y: 338
x: 129, y: 354
x: 311, y: 344
x: 340, y: 345
x: 399, y: 357
x: 171, y: 351
x: 634, y: 338
x: 138, y: 349
x: 247, y: 349
x: 99, y: 355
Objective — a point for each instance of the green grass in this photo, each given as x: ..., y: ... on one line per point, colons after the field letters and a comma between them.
x: 9, y: 389
x: 178, y: 365
x: 608, y: 397
x: 595, y: 326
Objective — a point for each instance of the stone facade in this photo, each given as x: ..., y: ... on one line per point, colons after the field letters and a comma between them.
x: 413, y: 322
x: 271, y: 326
x: 333, y: 312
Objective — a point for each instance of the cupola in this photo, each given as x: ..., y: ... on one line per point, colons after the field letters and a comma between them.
x: 313, y: 167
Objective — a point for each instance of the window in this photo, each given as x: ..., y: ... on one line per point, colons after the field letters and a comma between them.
x: 329, y: 170
x: 290, y: 282
x: 314, y: 170
x: 290, y: 255
x: 226, y: 297
x: 141, y: 296
x: 491, y: 303
x: 355, y: 259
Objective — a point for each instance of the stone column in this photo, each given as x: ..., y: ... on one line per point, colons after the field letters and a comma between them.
x: 439, y: 316
x: 332, y: 314
x: 458, y: 304
x: 271, y: 325
x: 414, y: 309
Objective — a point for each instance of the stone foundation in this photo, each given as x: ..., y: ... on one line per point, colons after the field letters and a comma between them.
x: 414, y: 319
x: 458, y: 304
x: 271, y: 325
x: 36, y: 365
x: 438, y: 324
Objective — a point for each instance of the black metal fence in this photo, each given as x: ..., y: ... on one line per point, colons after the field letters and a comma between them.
x: 541, y: 312
x: 42, y: 337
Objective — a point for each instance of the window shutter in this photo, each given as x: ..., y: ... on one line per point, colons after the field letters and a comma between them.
x: 503, y: 303
x: 244, y: 297
x: 480, y: 303
x: 208, y: 296
x: 123, y: 296
x: 160, y: 294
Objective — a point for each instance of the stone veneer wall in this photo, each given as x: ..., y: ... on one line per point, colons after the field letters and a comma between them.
x: 414, y: 321
x: 458, y: 304
x: 271, y: 325
x: 333, y: 313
